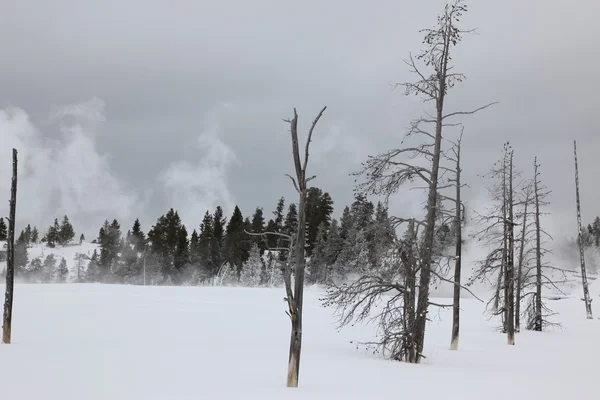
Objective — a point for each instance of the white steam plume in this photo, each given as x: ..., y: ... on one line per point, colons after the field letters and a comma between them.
x: 62, y: 176
x: 196, y: 187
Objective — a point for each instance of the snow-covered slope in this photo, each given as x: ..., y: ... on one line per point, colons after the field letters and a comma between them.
x: 93, y: 341
x: 68, y: 252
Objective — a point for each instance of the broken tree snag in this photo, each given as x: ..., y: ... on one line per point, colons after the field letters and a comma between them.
x: 10, y: 261
x: 458, y: 254
x: 586, y: 293
x: 295, y: 298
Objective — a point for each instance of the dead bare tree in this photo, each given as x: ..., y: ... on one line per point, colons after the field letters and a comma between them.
x: 10, y: 262
x: 586, y: 293
x: 510, y: 260
x: 498, y: 233
x: 537, y: 312
x: 523, y: 241
x: 458, y: 221
x: 295, y: 297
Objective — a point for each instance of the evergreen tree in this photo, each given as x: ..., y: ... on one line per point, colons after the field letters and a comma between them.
x: 109, y: 238
x: 35, y: 270
x: 319, y: 207
x: 93, y: 271
x: 21, y: 255
x: 252, y: 268
x: 62, y: 271
x: 52, y: 235
x: 217, y: 243
x: 318, y: 260
x: 258, y: 226
x: 35, y: 235
x: 138, y: 238
x: 195, y: 251
x: 79, y: 267
x: 3, y: 230
x: 49, y: 268
x: 234, y: 236
x: 205, y: 242
x: 278, y: 213
x: 291, y: 220
x: 181, y: 258
x: 595, y: 231
x: 28, y: 233
x: 165, y: 237
x: 345, y: 223
x: 66, y: 232
x: 334, y: 243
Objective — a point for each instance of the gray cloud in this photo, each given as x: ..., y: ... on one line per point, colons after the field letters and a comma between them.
x: 162, y: 69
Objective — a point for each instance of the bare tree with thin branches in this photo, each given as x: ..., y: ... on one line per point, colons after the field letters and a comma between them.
x: 537, y: 312
x: 385, y: 173
x: 498, y: 234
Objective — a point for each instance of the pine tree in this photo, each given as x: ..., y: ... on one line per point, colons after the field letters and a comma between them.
x: 28, y: 234
x: 217, y: 243
x: 345, y: 223
x: 291, y: 220
x: 62, y: 271
x: 319, y: 207
x: 35, y: 235
x: 109, y: 238
x: 195, y: 251
x: 205, y: 242
x: 258, y: 226
x: 234, y: 235
x: 252, y: 268
x: 93, y: 270
x: 79, y: 267
x: 3, y: 230
x: 66, y: 232
x: 21, y: 255
x: 278, y: 213
x: 181, y: 258
x: 49, y: 268
x: 35, y: 270
x: 52, y: 235
x: 138, y: 239
x: 318, y: 260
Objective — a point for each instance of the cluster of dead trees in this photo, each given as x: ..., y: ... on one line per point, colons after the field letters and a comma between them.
x: 512, y: 230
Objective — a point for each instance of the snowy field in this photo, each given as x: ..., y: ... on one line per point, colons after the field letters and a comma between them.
x: 94, y: 341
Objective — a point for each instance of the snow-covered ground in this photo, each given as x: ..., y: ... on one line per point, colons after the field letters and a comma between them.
x: 93, y: 341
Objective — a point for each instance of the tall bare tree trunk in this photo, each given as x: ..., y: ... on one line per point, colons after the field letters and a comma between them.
x: 295, y: 298
x: 504, y: 267
x: 10, y: 262
x: 586, y: 293
x: 538, y: 255
x: 457, y: 260
x: 520, y: 268
x: 510, y: 281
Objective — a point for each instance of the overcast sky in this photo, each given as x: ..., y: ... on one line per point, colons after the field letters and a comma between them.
x: 126, y: 108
